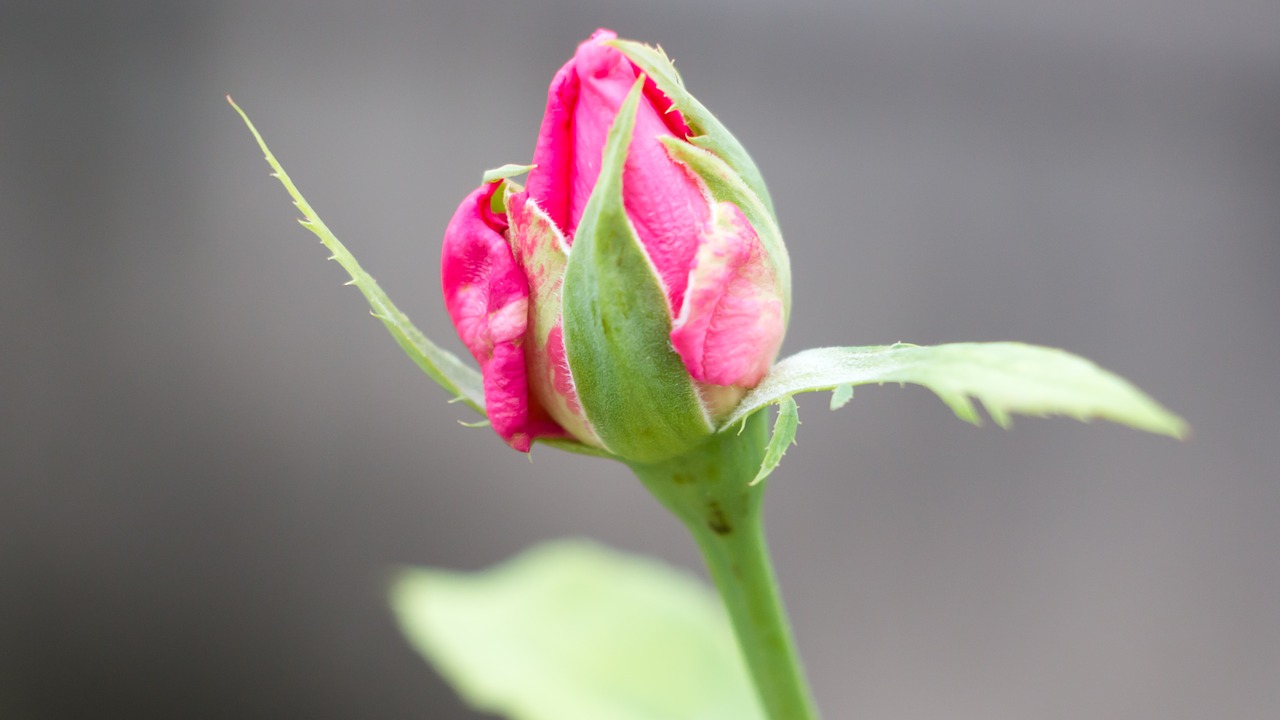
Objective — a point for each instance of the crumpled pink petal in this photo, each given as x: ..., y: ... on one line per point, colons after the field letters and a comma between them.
x: 731, y: 326
x: 487, y: 297
x: 664, y: 201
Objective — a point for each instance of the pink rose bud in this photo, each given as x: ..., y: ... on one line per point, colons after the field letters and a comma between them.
x: 638, y: 287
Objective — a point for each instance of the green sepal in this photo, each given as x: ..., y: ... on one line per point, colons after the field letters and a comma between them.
x: 710, y: 133
x: 1007, y: 377
x: 541, y: 250
x: 505, y: 172
x: 502, y: 176
x: 442, y: 366
x: 784, y: 435
x: 633, y: 387
x: 578, y: 448
x: 543, y: 259
x: 726, y: 185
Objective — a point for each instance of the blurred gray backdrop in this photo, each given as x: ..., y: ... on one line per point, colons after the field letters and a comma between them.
x: 211, y: 454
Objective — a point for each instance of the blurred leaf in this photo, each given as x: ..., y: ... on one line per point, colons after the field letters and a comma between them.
x: 439, y: 364
x: 1007, y: 377
x: 571, y: 630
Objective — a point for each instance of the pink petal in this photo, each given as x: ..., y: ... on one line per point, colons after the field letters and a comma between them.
x: 730, y: 328
x: 664, y: 201
x: 551, y: 178
x: 487, y: 297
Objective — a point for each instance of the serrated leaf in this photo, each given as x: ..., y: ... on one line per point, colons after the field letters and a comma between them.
x: 439, y: 364
x: 1007, y: 377
x: 784, y: 434
x: 633, y: 387
x: 572, y: 630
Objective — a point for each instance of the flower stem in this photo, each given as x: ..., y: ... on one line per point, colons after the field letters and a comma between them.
x: 708, y: 489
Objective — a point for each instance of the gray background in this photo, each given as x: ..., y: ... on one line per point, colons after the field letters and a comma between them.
x: 211, y: 454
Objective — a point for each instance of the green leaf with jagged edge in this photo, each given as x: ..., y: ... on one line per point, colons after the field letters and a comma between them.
x: 439, y: 364
x: 784, y: 434
x: 570, y: 630
x: 633, y: 387
x: 1007, y: 377
x: 712, y: 134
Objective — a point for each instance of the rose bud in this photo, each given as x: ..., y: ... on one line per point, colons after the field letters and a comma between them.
x: 631, y: 294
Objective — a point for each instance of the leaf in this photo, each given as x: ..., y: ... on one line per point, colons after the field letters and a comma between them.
x: 1007, y: 377
x: 439, y: 364
x: 633, y: 387
x: 571, y: 630
x: 784, y: 434
x: 841, y: 396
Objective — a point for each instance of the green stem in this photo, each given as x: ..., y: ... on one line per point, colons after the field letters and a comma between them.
x: 708, y: 489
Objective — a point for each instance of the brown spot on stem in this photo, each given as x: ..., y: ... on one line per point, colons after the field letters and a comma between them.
x: 716, y: 519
